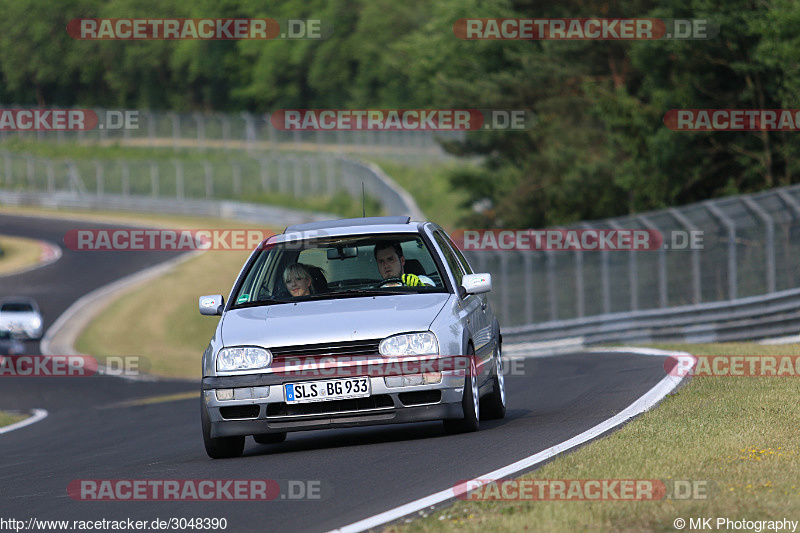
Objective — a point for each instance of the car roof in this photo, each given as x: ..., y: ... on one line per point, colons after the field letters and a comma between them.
x: 349, y: 227
x: 348, y: 222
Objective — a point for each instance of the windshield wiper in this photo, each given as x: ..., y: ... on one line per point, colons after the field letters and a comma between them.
x: 373, y: 292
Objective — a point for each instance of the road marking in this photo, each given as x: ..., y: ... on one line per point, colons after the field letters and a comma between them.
x: 150, y: 400
x: 38, y: 415
x: 645, y: 402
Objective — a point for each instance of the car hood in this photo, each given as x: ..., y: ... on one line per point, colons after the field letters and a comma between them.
x: 327, y: 321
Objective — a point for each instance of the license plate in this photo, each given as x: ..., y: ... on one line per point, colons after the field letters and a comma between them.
x: 332, y: 389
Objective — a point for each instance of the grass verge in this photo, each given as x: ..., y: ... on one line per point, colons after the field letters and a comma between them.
x: 6, y: 419
x: 172, y: 338
x: 430, y: 186
x: 734, y: 436
x: 159, y: 320
x: 18, y: 254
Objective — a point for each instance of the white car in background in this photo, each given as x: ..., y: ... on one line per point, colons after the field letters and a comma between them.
x: 21, y: 316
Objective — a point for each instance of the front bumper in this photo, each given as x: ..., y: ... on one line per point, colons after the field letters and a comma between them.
x: 271, y: 413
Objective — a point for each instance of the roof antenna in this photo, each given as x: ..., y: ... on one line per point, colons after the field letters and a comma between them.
x: 363, y: 201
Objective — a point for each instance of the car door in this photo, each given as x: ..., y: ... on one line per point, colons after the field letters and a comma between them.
x: 472, y: 304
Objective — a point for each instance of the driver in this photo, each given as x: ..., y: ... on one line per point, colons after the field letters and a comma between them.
x: 390, y: 260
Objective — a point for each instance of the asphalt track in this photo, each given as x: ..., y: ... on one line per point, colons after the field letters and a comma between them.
x: 92, y: 434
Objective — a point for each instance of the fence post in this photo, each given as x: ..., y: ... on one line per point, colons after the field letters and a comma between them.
x: 250, y: 134
x: 332, y: 163
x: 75, y: 178
x: 7, y: 168
x: 237, y: 178
x: 179, y: 185
x: 769, y: 250
x: 298, y: 177
x: 151, y: 128
x: 697, y: 294
x: 209, y: 179
x: 51, y: 176
x: 30, y: 171
x: 126, y: 179
x: 264, y: 166
x: 733, y: 282
x: 313, y: 168
x: 633, y: 278
x: 551, y: 284
x: 154, y: 179
x: 270, y: 132
x: 662, y: 264
x: 527, y: 257
x: 226, y: 131
x: 176, y: 130
x: 200, y: 122
x: 99, y: 174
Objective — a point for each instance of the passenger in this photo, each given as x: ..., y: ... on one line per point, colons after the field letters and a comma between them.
x: 391, y: 264
x: 298, y: 280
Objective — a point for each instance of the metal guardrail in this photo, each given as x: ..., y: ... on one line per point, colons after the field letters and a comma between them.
x: 178, y: 185
x: 241, y: 211
x: 751, y: 248
x: 756, y: 317
x: 235, y: 131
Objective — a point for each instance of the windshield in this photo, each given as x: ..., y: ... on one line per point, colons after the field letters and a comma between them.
x: 17, y: 307
x: 334, y: 267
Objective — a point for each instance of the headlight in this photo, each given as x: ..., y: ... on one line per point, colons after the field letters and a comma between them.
x: 410, y: 344
x: 36, y: 322
x: 243, y: 358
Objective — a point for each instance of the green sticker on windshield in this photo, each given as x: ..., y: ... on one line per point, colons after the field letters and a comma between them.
x: 243, y: 298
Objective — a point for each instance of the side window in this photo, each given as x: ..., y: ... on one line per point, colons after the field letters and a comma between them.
x: 461, y: 258
x: 449, y: 256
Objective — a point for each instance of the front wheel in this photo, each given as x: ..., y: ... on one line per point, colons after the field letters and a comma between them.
x: 493, y: 406
x: 470, y: 402
x: 220, y: 447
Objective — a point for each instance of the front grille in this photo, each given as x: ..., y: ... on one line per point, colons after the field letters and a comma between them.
x: 348, y: 348
x: 329, y: 407
x: 235, y: 412
x: 420, y: 397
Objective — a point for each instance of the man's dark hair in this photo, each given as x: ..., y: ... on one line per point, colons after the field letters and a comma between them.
x: 383, y: 245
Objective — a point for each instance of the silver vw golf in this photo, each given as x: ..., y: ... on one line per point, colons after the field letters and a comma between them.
x: 350, y: 323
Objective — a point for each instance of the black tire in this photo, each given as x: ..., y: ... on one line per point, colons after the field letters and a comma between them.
x: 469, y: 402
x: 220, y: 447
x: 270, y: 438
x: 493, y: 406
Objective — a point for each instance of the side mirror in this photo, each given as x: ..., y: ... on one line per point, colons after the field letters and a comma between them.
x: 476, y: 283
x: 212, y: 305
